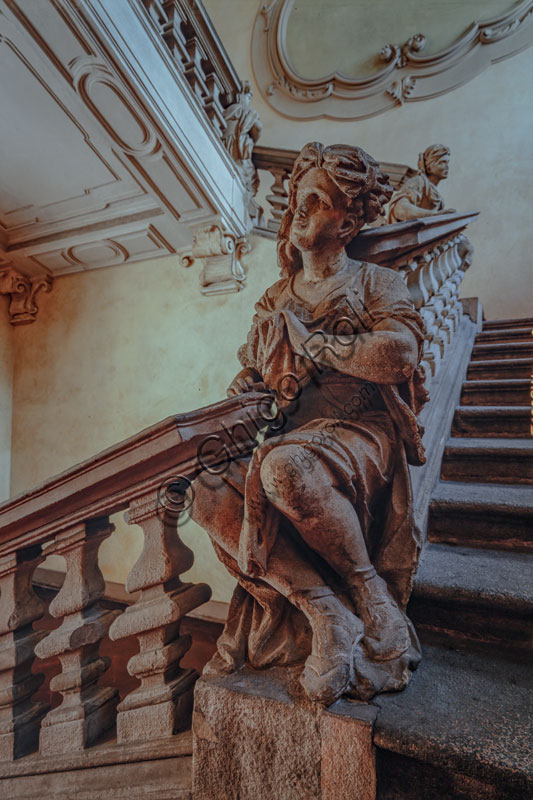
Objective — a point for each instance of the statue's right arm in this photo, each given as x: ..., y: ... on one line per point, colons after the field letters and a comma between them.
x: 247, y: 380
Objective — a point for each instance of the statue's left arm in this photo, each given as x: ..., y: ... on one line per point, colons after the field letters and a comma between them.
x: 387, y: 352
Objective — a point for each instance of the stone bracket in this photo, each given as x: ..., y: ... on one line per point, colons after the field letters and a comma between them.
x: 23, y: 291
x: 220, y: 252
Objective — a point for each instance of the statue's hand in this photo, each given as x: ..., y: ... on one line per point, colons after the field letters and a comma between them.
x: 448, y: 211
x: 247, y: 380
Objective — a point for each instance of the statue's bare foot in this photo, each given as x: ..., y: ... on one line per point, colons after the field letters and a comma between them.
x: 386, y: 633
x: 329, y: 669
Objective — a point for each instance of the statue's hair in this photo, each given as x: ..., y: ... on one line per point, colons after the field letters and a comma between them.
x: 354, y: 172
x: 430, y: 155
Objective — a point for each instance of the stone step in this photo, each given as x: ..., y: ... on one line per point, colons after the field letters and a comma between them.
x: 488, y: 460
x: 502, y: 351
x: 500, y: 368
x: 503, y: 324
x: 503, y: 392
x: 488, y: 515
x: 498, y: 421
x: 524, y: 334
x: 460, y: 731
x: 480, y: 596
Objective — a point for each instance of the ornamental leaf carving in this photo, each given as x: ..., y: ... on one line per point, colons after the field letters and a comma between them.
x: 337, y: 96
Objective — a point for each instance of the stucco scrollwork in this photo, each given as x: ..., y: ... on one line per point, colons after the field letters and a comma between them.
x: 22, y: 291
x: 220, y: 253
x: 407, y: 74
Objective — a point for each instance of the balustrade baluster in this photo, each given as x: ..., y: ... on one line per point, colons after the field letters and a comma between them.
x: 20, y: 717
x: 172, y: 31
x: 194, y: 71
x: 87, y: 710
x: 213, y: 107
x: 278, y: 200
x: 162, y: 704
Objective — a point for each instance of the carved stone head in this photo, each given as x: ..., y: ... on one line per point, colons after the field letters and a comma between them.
x: 333, y: 192
x: 435, y: 162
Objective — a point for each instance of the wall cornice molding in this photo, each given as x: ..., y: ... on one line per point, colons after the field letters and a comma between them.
x: 406, y: 76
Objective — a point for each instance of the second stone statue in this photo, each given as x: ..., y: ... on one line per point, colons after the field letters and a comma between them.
x: 317, y: 525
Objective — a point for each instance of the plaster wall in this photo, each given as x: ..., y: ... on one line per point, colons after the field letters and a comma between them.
x: 113, y: 351
x: 487, y: 124
x: 6, y: 398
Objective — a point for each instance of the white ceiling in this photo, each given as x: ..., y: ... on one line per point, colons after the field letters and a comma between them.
x: 106, y: 157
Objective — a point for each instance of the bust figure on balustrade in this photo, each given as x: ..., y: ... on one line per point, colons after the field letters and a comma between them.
x: 317, y: 525
x: 418, y: 196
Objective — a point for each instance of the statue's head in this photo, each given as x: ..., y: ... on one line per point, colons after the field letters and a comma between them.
x: 333, y: 192
x: 435, y: 161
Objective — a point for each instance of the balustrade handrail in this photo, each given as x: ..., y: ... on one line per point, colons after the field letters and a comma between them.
x: 108, y: 481
x: 387, y: 244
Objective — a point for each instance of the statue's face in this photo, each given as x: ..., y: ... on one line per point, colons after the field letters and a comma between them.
x: 321, y: 218
x: 441, y: 167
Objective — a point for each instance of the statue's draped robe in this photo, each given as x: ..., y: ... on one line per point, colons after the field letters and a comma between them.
x: 363, y: 433
x: 419, y: 191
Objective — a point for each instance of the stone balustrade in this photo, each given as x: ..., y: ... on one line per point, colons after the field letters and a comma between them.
x: 190, y: 36
x: 432, y: 255
x: 278, y: 164
x: 147, y: 475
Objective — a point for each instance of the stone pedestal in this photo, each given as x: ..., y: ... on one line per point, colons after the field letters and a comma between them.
x: 256, y: 736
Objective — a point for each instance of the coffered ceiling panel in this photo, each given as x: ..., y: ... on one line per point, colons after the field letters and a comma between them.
x: 102, y: 155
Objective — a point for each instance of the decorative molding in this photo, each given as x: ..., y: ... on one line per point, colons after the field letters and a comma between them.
x: 23, y: 291
x: 120, y: 156
x: 220, y: 252
x: 406, y: 77
x: 136, y: 242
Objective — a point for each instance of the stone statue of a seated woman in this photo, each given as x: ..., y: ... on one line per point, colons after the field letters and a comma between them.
x: 418, y: 196
x: 317, y: 525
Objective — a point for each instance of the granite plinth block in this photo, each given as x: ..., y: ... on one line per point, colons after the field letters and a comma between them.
x: 255, y: 735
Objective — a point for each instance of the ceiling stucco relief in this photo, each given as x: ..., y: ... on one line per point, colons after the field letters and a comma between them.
x: 105, y: 160
x: 411, y: 70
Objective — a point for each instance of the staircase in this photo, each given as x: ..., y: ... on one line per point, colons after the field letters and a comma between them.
x: 462, y: 730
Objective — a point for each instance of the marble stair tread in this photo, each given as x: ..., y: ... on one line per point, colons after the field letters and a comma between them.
x: 484, y: 497
x: 517, y: 322
x: 465, y: 715
x: 499, y: 421
x: 517, y: 334
x: 504, y: 350
x: 486, y: 578
x: 496, y: 392
x: 495, y: 516
x: 509, y: 461
x: 500, y: 368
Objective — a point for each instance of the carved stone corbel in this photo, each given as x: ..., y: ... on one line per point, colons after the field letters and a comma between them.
x: 220, y: 252
x: 23, y: 291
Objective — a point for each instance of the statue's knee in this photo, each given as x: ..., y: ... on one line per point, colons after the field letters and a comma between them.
x: 287, y: 480
x: 277, y: 471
